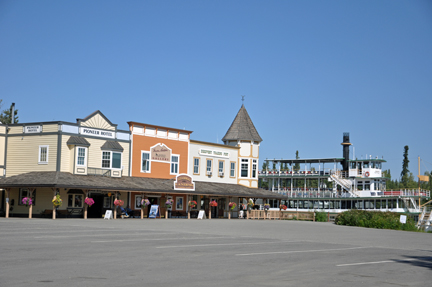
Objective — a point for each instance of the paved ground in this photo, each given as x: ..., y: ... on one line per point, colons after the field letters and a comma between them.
x: 216, y: 252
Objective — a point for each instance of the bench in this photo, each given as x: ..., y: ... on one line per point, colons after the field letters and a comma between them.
x: 46, y: 213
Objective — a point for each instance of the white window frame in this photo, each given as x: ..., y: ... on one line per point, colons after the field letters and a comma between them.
x: 78, y: 156
x: 196, y: 166
x: 254, y: 168
x: 149, y: 161
x: 221, y: 169
x: 209, y: 168
x: 111, y: 160
x: 40, y: 161
x: 244, y: 161
x: 232, y: 169
x: 173, y: 164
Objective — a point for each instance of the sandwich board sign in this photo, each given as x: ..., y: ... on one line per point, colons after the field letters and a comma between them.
x: 108, y: 214
x: 403, y: 219
x: 201, y: 214
x: 154, y: 211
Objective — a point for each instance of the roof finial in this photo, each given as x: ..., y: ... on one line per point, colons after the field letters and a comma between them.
x: 242, y: 99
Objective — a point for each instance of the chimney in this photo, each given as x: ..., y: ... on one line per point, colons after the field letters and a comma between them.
x: 346, y: 144
x: 13, y: 113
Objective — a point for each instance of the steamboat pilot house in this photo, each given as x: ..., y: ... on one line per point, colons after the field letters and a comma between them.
x: 337, y: 184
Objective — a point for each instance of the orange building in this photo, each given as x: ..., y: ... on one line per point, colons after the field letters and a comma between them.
x: 158, y: 152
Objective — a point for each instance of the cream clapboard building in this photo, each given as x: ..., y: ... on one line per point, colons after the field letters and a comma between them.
x: 243, y: 134
x: 91, y: 146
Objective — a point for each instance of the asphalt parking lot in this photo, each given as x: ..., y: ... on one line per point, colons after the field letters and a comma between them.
x: 216, y: 252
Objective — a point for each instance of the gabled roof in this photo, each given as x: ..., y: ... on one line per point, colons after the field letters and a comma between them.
x: 242, y: 128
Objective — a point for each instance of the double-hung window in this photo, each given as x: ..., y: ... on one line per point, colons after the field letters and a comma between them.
x: 221, y: 167
x: 81, y: 156
x: 209, y: 167
x: 111, y: 159
x: 196, y: 166
x: 244, y: 168
x: 174, y: 164
x: 145, y: 161
x: 254, y: 168
x: 232, y: 170
x: 43, y: 154
x: 75, y: 200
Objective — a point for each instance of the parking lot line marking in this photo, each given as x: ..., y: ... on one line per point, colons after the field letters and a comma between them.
x: 153, y: 239
x: 299, y: 251
x: 378, y: 262
x: 222, y: 244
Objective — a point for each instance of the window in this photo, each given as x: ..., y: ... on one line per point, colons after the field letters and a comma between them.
x: 24, y: 192
x: 145, y: 161
x: 179, y: 203
x: 209, y: 166
x: 254, y: 168
x: 174, y: 164
x: 75, y: 200
x: 196, y: 166
x: 43, y: 154
x: 232, y: 170
x: 221, y: 167
x: 81, y: 156
x: 111, y: 159
x: 244, y: 168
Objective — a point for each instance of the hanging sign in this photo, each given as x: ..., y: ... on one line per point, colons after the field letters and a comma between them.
x: 184, y: 182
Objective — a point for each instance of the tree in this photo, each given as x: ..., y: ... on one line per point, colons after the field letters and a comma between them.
x: 405, y: 174
x: 5, y: 116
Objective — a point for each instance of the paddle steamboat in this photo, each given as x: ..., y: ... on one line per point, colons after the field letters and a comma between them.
x: 337, y: 184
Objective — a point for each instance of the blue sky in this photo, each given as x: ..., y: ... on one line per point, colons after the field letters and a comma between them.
x: 309, y: 70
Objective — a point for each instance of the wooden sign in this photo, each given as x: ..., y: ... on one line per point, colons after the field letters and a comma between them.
x: 160, y: 152
x: 201, y: 214
x: 108, y: 214
x: 184, y: 182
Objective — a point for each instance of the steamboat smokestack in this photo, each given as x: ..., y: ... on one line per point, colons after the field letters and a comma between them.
x: 346, y: 144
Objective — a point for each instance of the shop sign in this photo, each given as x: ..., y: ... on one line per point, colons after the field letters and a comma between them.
x: 32, y: 129
x: 97, y: 133
x: 184, y: 182
x: 160, y: 152
x: 215, y: 153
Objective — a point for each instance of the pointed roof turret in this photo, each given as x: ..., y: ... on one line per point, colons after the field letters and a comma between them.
x: 242, y: 128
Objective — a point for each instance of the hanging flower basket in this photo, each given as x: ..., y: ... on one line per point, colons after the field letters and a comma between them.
x: 213, y: 203
x: 89, y: 201
x: 266, y: 206
x: 192, y: 204
x: 27, y: 201
x: 57, y: 201
x: 284, y: 207
x: 169, y: 203
x: 250, y: 204
x: 118, y: 202
x: 232, y: 205
x: 144, y: 203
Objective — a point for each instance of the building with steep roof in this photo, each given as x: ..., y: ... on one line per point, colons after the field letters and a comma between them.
x: 243, y: 134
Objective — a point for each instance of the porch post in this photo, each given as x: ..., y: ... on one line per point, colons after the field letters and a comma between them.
x: 187, y: 206
x: 229, y: 209
x: 54, y: 213
x: 7, y: 202
x: 115, y: 206
x: 31, y: 205
x: 142, y: 209
x: 86, y: 192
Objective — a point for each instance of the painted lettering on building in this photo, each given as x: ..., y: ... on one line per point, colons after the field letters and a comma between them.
x: 160, y: 152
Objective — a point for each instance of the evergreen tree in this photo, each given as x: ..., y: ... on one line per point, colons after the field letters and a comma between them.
x: 297, y: 165
x: 5, y: 116
x: 405, y: 172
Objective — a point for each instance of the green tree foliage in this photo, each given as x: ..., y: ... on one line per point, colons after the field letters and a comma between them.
x: 405, y: 174
x: 5, y: 116
x: 297, y: 165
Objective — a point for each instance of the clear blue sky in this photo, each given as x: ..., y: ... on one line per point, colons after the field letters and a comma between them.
x: 310, y: 70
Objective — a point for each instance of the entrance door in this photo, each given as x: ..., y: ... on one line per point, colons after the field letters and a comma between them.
x: 221, y: 207
x: 96, y: 210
